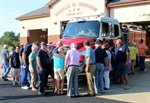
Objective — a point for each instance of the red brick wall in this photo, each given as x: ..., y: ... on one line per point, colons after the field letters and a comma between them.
x: 136, y: 36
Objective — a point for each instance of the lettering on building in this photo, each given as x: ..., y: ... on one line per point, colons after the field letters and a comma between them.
x: 75, y: 9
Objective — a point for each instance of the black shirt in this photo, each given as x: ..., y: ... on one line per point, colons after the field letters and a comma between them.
x: 100, y: 55
x: 121, y: 53
x: 27, y: 50
x: 43, y: 57
x: 15, y: 62
x: 21, y: 51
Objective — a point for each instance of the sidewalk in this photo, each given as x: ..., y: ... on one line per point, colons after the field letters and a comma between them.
x: 138, y: 93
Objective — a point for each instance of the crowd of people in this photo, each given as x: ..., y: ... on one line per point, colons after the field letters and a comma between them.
x: 31, y: 65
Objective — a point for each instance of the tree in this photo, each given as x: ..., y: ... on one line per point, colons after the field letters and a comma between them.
x: 10, y: 38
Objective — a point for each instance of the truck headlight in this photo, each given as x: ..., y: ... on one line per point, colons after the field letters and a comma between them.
x: 82, y: 52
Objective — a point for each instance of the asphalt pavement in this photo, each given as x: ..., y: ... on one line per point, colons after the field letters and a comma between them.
x: 138, y: 93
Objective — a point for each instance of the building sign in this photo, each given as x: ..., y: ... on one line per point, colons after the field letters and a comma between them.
x: 75, y: 9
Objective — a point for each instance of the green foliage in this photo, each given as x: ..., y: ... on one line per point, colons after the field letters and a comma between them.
x: 10, y: 38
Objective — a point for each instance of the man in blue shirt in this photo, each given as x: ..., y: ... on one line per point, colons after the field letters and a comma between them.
x: 122, y: 61
x: 5, y: 62
x: 41, y: 68
x: 25, y: 68
x: 90, y: 68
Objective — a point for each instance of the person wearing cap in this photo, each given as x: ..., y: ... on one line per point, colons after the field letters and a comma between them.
x: 122, y: 61
x: 90, y: 68
x: 5, y: 62
x: 142, y: 48
x: 101, y: 59
x: 72, y: 63
x: 41, y: 67
x: 133, y: 52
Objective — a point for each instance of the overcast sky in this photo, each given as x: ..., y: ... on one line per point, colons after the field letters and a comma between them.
x: 10, y: 9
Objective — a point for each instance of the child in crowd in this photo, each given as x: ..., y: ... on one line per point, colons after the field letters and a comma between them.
x: 14, y: 63
x: 133, y: 53
x: 59, y: 70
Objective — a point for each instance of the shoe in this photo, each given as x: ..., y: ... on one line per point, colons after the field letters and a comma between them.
x: 132, y: 73
x: 126, y: 87
x: 145, y: 69
x: 5, y: 79
x: 106, y: 88
x: 14, y: 83
x: 89, y: 95
x: 55, y: 91
x: 41, y: 93
x: 24, y: 87
x: 70, y: 97
x: 102, y: 92
x: 18, y: 83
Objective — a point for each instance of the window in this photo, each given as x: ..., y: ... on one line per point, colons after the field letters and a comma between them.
x: 116, y: 30
x: 105, y: 29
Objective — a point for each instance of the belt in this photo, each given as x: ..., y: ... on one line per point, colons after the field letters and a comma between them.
x: 73, y: 65
x: 92, y: 64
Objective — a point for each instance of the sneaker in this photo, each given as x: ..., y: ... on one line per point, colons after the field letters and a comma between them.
x: 25, y: 87
x: 55, y: 91
x: 5, y: 79
x: 14, y: 83
x: 126, y: 87
x: 145, y: 69
x: 41, y: 93
x: 18, y: 83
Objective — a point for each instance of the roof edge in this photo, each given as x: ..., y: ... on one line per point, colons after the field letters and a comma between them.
x: 33, y: 17
x: 49, y: 4
x: 117, y: 4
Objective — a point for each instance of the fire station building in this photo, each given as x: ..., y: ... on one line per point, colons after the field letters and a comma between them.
x: 46, y: 23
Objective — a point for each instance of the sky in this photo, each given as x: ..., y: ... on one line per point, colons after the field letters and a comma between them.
x: 11, y: 9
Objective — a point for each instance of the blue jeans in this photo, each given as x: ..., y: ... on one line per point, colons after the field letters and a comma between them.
x: 24, y: 74
x: 41, y: 79
x: 99, y: 74
x: 5, y: 68
x: 142, y: 63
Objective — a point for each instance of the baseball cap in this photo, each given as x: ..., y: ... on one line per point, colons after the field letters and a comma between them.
x: 43, y: 43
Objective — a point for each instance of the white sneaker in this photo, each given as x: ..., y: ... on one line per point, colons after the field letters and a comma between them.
x: 145, y: 69
x: 25, y: 87
x: 14, y: 83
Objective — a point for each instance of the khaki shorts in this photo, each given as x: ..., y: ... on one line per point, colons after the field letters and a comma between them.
x: 34, y: 77
x: 133, y: 62
x: 15, y: 72
x: 59, y: 74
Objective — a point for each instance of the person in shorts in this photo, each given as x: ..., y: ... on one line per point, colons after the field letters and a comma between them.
x: 14, y: 63
x: 32, y: 67
x: 59, y: 70
x: 122, y: 61
x: 133, y: 53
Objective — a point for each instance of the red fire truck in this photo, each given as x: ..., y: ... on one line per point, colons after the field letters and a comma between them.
x: 90, y: 28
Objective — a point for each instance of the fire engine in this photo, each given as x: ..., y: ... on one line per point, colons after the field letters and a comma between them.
x: 90, y: 28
